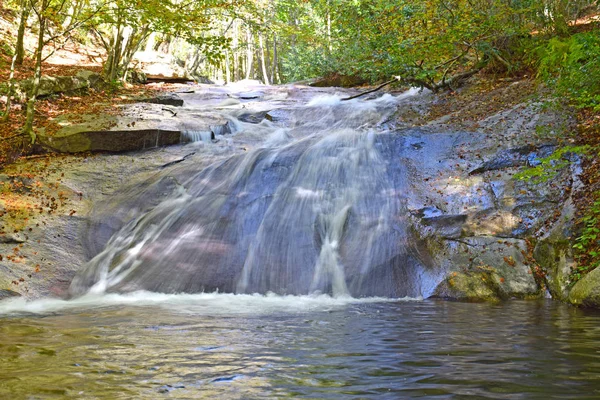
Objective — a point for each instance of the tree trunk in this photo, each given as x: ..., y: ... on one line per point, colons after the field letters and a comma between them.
x: 17, y: 58
x: 133, y: 44
x: 150, y: 42
x: 249, y: 53
x: 28, y: 128
x: 234, y: 49
x: 196, y: 63
x: 116, y: 58
x: 274, y: 67
x: 227, y: 69
x: 114, y: 53
x: 263, y: 63
x: 20, y: 48
x: 11, y: 88
x: 329, y: 47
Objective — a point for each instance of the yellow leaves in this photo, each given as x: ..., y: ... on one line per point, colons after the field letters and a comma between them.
x: 510, y: 261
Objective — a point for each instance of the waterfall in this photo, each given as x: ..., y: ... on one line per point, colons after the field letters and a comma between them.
x: 315, y: 207
x: 198, y: 136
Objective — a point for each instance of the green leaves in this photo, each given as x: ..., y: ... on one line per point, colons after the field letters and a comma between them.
x: 587, y: 244
x: 549, y: 166
x: 572, y: 67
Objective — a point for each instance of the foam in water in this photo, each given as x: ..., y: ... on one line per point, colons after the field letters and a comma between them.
x: 201, y: 304
x: 330, y: 100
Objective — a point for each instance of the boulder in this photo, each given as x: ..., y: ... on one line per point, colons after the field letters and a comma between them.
x: 484, y: 269
x: 49, y: 85
x: 586, y: 292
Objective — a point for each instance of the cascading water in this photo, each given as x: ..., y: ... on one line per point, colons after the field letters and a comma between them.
x: 316, y: 208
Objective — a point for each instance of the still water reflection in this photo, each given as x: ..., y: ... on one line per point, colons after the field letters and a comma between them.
x: 243, y: 347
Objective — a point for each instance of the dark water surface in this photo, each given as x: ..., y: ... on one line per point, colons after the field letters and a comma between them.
x: 244, y: 347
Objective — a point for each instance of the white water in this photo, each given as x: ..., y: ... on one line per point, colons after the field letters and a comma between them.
x: 198, y: 136
x: 197, y: 304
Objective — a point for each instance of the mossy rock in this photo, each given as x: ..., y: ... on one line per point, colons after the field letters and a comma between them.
x: 556, y: 259
x: 586, y: 292
x: 484, y: 269
x: 471, y: 286
x: 554, y: 252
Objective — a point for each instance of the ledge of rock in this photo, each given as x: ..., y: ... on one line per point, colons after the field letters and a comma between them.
x: 140, y: 126
x: 528, y: 155
x: 112, y: 141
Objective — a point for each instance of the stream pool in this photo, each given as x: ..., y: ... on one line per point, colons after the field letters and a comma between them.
x: 222, y: 346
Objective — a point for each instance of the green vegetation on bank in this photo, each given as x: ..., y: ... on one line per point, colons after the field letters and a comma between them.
x: 571, y: 67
